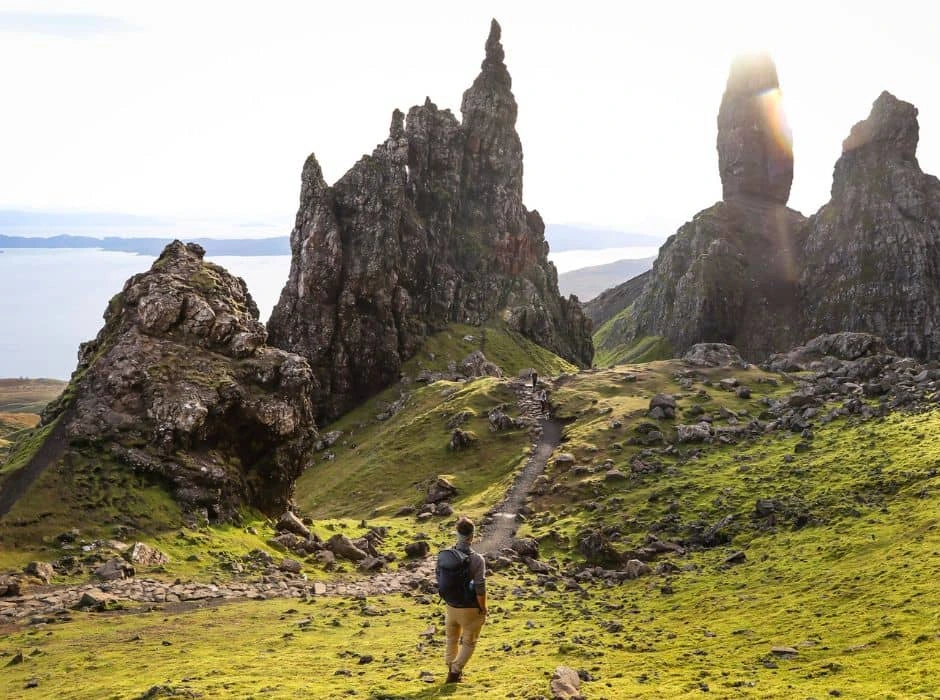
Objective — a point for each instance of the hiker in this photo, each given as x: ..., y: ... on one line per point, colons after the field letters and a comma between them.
x: 535, y: 380
x: 463, y: 587
x: 543, y: 400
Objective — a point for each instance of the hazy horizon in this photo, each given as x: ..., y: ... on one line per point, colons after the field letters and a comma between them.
x: 217, y: 129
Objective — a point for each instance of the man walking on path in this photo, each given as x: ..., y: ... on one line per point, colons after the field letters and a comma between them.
x: 465, y: 618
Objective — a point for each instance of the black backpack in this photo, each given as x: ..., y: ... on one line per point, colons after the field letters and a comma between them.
x: 454, y: 581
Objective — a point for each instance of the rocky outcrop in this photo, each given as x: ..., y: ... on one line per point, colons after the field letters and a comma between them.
x: 428, y: 230
x: 730, y: 275
x: 180, y: 385
x: 752, y: 273
x: 872, y: 254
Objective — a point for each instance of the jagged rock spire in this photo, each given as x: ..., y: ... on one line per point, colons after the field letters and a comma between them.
x: 755, y: 153
x: 428, y: 230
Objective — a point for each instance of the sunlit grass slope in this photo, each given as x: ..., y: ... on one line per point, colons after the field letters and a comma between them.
x: 379, y: 466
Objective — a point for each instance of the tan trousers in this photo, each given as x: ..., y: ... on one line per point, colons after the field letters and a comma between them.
x: 463, y: 625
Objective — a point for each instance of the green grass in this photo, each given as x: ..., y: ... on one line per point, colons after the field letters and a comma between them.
x: 507, y: 348
x: 844, y: 572
x: 381, y: 466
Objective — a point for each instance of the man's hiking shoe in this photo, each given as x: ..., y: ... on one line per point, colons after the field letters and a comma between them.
x: 453, y: 677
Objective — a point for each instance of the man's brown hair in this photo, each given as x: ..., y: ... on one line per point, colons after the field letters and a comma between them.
x: 465, y: 526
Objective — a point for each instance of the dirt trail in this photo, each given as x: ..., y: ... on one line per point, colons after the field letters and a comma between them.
x: 16, y: 484
x: 497, y: 534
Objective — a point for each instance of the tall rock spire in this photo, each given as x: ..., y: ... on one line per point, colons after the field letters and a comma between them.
x: 755, y: 150
x: 429, y: 230
x: 492, y: 168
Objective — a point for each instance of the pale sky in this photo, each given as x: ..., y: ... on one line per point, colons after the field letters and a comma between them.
x: 208, y: 109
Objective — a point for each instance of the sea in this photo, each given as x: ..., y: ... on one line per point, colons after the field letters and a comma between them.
x: 51, y: 300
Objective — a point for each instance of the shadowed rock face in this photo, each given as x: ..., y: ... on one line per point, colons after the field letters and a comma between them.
x: 428, y: 230
x: 873, y: 252
x: 180, y: 385
x: 755, y: 154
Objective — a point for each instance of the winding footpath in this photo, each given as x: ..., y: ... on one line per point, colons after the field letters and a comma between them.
x: 49, y: 603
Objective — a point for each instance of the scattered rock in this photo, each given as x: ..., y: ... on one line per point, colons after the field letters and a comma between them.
x: 145, y: 555
x: 441, y: 490
x: 565, y: 684
x: 288, y: 522
x: 41, y: 570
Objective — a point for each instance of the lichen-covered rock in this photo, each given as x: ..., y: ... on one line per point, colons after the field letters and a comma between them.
x: 428, y: 230
x: 179, y: 385
x: 713, y: 355
x: 872, y: 254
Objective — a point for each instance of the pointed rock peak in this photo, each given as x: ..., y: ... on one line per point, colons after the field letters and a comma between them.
x: 755, y: 148
x: 494, y: 49
x: 397, y: 128
x: 891, y: 126
x: 312, y: 173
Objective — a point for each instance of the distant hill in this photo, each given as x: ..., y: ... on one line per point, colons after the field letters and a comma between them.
x: 587, y: 282
x: 279, y: 245
x: 569, y: 237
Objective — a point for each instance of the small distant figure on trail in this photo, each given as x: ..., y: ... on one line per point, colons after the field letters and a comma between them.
x: 461, y: 581
x: 535, y: 379
x: 543, y: 400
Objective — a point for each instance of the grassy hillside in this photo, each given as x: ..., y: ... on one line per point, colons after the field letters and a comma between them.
x: 805, y: 566
x: 376, y: 467
x: 379, y: 466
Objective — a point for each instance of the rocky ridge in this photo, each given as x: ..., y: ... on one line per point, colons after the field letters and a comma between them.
x: 180, y: 385
x: 430, y: 229
x: 751, y: 272
x: 873, y: 251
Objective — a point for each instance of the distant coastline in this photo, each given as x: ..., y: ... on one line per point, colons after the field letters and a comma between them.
x: 279, y: 245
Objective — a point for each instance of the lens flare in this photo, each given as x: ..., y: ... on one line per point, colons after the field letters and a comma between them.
x: 775, y: 120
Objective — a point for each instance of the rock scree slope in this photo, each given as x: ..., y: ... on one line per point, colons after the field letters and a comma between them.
x: 428, y: 230
x: 180, y: 385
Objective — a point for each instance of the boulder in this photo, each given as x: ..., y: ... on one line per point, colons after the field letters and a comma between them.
x: 662, y: 406
x: 288, y: 522
x: 418, y: 549
x: 461, y: 439
x: 40, y: 569
x: 713, y: 355
x: 565, y: 684
x: 526, y: 547
x: 145, y: 555
x: 291, y: 566
x: 114, y: 570
x: 635, y: 568
x: 343, y: 547
x: 440, y: 490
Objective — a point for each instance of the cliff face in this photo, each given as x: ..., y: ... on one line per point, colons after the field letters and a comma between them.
x: 752, y: 273
x: 872, y: 254
x: 428, y: 230
x: 179, y: 384
x: 730, y: 275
